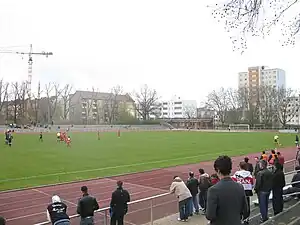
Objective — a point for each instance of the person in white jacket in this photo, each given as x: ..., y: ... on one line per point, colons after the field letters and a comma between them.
x: 179, y: 188
x: 245, y: 178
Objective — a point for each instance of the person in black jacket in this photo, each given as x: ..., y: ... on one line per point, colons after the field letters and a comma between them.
x: 86, y: 207
x: 257, y: 167
x: 295, y: 184
x: 263, y: 187
x: 277, y: 189
x: 226, y: 200
x: 118, y: 204
x: 192, y: 184
x: 249, y: 166
x: 2, y: 221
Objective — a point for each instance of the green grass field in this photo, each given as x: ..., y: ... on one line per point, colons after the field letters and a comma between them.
x: 29, y: 163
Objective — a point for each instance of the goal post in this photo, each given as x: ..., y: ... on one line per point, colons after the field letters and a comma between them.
x: 240, y: 127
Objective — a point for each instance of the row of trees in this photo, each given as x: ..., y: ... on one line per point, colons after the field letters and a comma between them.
x: 53, y: 102
x: 264, y: 105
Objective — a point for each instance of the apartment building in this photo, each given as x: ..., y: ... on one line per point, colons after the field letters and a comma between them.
x: 97, y: 107
x: 178, y: 108
x: 261, y: 76
x: 293, y: 110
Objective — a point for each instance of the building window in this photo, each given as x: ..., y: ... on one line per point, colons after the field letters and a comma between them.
x: 165, y: 114
x: 177, y: 113
x: 165, y: 108
x: 178, y: 108
x: 177, y: 103
x: 165, y: 103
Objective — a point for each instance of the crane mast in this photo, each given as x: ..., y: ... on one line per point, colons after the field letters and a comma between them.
x: 30, y: 62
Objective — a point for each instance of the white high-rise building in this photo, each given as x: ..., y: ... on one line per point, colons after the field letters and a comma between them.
x: 179, y: 108
x: 262, y: 76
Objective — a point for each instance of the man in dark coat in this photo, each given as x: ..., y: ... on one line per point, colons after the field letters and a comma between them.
x: 226, y: 200
x: 249, y: 166
x: 192, y: 184
x: 118, y: 204
x: 263, y: 187
x: 277, y: 189
x: 2, y: 221
x: 86, y: 207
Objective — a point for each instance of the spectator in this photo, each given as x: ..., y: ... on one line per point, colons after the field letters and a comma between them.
x: 86, y: 207
x: 257, y: 168
x: 204, y: 184
x: 245, y: 178
x: 263, y: 188
x: 249, y: 166
x: 57, y: 212
x: 226, y: 200
x: 118, y: 204
x: 280, y: 159
x: 2, y: 221
x: 277, y: 189
x: 183, y: 194
x: 272, y: 157
x: 295, y: 183
x: 193, y: 184
x: 214, y: 178
x: 264, y: 156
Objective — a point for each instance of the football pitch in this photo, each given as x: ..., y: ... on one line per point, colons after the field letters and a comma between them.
x: 30, y: 162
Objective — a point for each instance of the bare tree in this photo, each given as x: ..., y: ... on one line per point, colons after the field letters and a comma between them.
x: 267, y: 99
x: 3, y: 93
x: 111, y: 105
x: 218, y: 102
x: 66, y: 97
x: 250, y: 105
x: 90, y: 106
x: 189, y: 111
x: 15, y: 103
x: 243, y: 18
x: 287, y: 105
x: 53, y: 93
x: 146, y: 101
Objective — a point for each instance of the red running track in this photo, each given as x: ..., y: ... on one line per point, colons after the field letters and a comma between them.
x: 27, y: 207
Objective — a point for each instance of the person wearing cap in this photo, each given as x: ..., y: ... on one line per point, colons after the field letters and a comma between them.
x: 179, y: 188
x: 193, y: 184
x: 57, y: 212
x: 87, y: 204
x: 118, y: 204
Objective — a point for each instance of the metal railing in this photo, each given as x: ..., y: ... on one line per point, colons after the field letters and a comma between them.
x: 106, y: 213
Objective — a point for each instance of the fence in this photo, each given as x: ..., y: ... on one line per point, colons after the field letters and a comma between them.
x: 139, y: 212
x: 147, y: 210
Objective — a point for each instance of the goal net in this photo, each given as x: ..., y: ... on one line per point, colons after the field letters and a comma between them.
x: 239, y: 127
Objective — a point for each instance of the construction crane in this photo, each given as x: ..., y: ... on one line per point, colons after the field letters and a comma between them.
x: 30, y: 62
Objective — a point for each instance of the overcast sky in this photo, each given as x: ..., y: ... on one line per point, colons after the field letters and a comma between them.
x: 173, y: 46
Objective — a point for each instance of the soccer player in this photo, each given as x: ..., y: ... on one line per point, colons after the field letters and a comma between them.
x: 119, y: 133
x: 297, y: 140
x: 9, y: 138
x: 276, y: 141
x: 6, y: 136
x: 62, y: 137
x: 58, y: 136
x: 68, y: 141
x: 98, y: 135
x: 41, y: 136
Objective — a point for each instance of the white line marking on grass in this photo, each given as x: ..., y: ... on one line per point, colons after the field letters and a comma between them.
x: 44, y: 193
x: 108, y: 168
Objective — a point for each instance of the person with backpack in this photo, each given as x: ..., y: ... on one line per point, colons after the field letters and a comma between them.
x: 204, y: 185
x: 192, y: 184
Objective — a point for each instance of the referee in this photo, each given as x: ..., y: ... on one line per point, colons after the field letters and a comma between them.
x: 86, y: 207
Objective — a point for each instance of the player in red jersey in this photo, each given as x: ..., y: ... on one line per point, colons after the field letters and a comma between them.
x: 68, y: 141
x: 119, y: 133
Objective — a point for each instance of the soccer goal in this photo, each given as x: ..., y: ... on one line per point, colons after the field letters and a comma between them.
x: 239, y: 127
